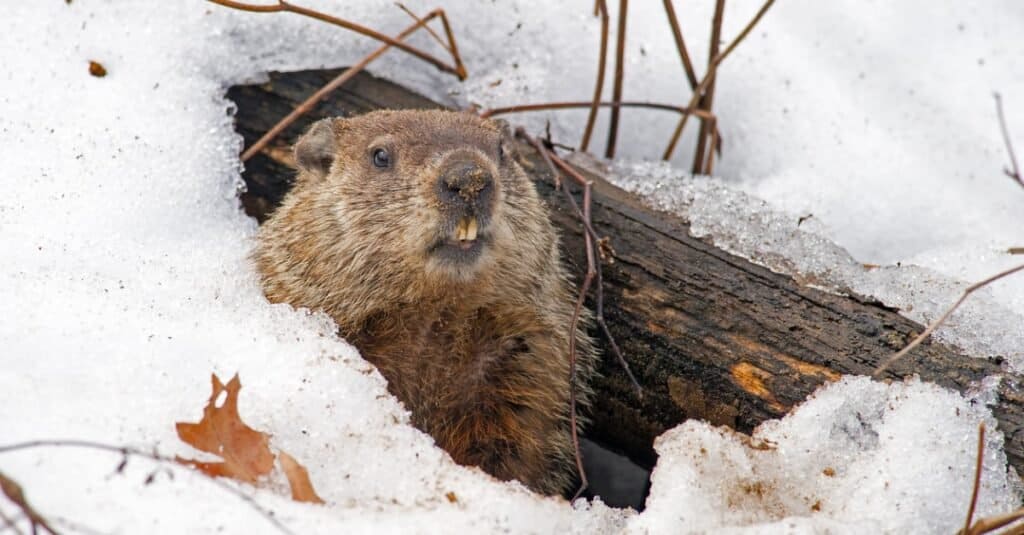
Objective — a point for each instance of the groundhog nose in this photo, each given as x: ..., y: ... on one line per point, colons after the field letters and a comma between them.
x: 465, y: 181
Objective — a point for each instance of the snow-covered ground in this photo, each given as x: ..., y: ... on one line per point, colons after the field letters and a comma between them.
x: 125, y: 280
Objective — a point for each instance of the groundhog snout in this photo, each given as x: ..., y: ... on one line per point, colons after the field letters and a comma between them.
x: 467, y: 185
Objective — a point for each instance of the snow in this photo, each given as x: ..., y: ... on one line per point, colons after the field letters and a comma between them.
x: 125, y: 279
x: 843, y: 454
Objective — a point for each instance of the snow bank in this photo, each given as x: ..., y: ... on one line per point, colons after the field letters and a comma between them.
x: 843, y: 462
x: 126, y: 280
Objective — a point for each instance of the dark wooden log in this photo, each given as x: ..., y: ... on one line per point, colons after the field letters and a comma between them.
x: 708, y: 334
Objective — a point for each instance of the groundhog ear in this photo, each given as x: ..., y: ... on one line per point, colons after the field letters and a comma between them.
x: 315, y: 150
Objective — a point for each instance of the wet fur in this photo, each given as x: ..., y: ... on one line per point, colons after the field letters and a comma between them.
x: 478, y: 353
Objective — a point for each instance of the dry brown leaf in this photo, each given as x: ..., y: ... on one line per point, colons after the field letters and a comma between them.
x: 96, y: 69
x: 298, y: 479
x: 221, y: 432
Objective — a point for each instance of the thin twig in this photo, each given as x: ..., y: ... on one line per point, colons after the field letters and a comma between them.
x: 709, y: 76
x: 992, y: 523
x: 599, y: 7
x: 594, y: 269
x: 620, y: 56
x: 599, y: 292
x: 707, y: 99
x: 935, y: 324
x: 574, y: 324
x: 13, y: 491
x: 977, y: 476
x: 1015, y: 172
x: 709, y: 165
x: 581, y: 104
x: 124, y: 450
x: 337, y: 82
x: 415, y: 17
x: 282, y: 6
x: 677, y: 34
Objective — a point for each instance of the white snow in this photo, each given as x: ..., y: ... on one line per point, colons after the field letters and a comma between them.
x: 834, y: 463
x: 125, y: 279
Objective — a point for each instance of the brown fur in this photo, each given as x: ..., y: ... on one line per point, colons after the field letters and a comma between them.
x: 477, y: 351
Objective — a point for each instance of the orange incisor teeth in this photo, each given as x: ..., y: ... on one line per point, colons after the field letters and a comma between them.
x: 466, y: 229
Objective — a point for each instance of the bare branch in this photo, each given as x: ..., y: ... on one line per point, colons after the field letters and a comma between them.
x: 1014, y: 171
x: 677, y: 34
x: 282, y: 6
x: 707, y: 99
x: 977, y: 476
x: 580, y: 104
x: 710, y: 75
x: 620, y: 53
x: 931, y: 328
x: 339, y: 81
x: 602, y: 9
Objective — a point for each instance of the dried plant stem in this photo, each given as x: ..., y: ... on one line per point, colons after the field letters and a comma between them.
x: 282, y: 6
x: 433, y: 34
x: 590, y: 239
x: 337, y: 82
x: 709, y: 164
x: 977, y: 476
x: 592, y: 234
x: 707, y: 99
x: 620, y: 56
x: 580, y: 104
x: 1014, y: 171
x: 125, y: 451
x: 710, y: 75
x: 16, y: 495
x: 935, y: 324
x: 602, y: 9
x: 677, y: 34
x: 992, y: 523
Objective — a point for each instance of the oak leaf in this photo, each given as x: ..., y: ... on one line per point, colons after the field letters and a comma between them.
x: 298, y: 479
x: 245, y: 451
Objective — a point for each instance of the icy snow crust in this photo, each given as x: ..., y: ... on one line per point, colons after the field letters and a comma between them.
x: 126, y: 283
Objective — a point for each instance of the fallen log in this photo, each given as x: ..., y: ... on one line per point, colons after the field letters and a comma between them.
x: 708, y: 334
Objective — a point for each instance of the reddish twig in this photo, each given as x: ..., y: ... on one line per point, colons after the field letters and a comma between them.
x: 931, y: 328
x: 556, y: 164
x: 125, y: 451
x: 1014, y: 171
x: 710, y: 75
x: 977, y: 476
x: 620, y: 53
x: 341, y: 79
x: 599, y: 7
x: 990, y: 524
x: 433, y: 34
x: 709, y: 165
x: 580, y: 104
x: 677, y: 34
x: 283, y: 6
x: 707, y: 99
x: 13, y: 491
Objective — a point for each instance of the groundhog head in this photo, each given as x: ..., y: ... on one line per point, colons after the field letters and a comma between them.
x: 429, y: 193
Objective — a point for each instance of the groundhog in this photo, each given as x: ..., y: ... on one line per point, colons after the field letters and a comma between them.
x: 420, y: 234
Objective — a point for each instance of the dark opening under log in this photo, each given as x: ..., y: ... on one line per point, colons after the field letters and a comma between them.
x: 709, y: 335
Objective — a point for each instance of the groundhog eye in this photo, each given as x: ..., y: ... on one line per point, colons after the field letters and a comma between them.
x: 381, y: 158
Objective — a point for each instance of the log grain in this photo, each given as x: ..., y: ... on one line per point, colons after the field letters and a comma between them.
x: 709, y: 335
